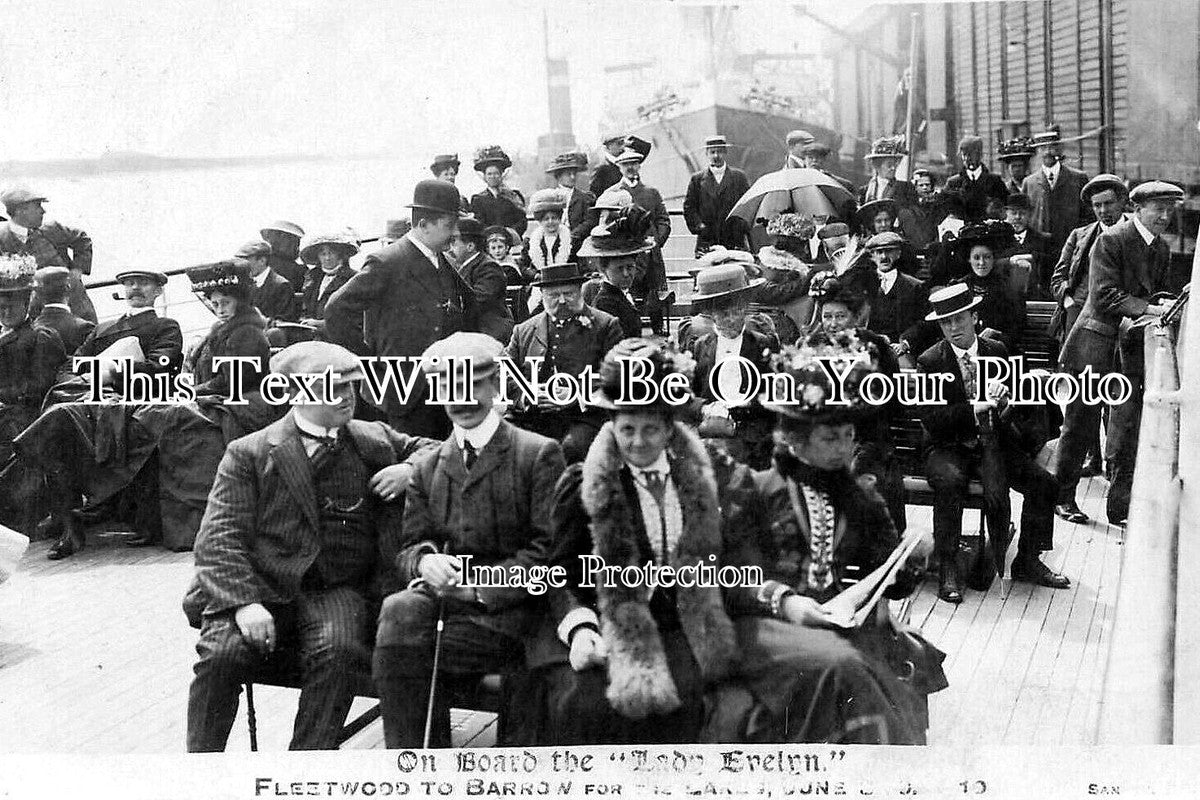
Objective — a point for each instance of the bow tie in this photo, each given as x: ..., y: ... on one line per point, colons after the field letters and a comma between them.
x: 329, y: 438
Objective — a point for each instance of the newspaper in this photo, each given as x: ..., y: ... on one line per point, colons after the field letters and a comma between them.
x: 854, y: 605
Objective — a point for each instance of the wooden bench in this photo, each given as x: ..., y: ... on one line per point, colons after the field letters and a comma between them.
x: 907, y: 434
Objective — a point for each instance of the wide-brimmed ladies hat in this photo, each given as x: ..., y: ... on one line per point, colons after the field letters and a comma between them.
x: 344, y: 242
x: 664, y: 360
x: 1018, y: 149
x: 887, y: 147
x: 626, y: 232
x: 544, y: 200
x: 489, y: 155
x: 567, y: 162
x: 229, y: 275
x: 950, y: 300
x: 811, y: 395
x: 16, y: 273
x: 508, y: 234
x: 792, y: 226
x: 995, y: 234
x: 864, y: 218
x: 722, y: 284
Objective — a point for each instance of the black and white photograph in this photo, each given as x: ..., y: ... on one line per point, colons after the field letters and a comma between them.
x: 599, y: 397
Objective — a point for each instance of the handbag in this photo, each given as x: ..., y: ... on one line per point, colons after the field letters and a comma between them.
x: 975, y: 562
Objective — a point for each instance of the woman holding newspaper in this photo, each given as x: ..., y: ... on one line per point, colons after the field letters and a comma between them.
x: 830, y: 554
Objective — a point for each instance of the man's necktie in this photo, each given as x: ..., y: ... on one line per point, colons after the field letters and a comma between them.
x: 327, y: 448
x: 470, y: 455
x: 657, y: 488
x: 968, y: 372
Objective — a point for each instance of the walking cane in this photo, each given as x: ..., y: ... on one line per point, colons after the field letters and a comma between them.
x: 437, y: 658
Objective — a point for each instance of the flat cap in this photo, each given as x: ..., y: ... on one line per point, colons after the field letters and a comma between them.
x: 52, y: 277
x: 481, y: 349
x: 1102, y: 183
x: 151, y: 274
x: 256, y: 248
x: 1155, y: 190
x: 800, y: 136
x: 20, y: 194
x: 312, y: 358
x: 885, y: 240
x: 833, y: 230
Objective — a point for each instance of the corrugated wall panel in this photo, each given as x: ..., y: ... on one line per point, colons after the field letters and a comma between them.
x: 995, y: 76
x: 1035, y: 45
x: 1120, y: 82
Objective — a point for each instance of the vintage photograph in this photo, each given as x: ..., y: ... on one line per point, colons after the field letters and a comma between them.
x: 484, y: 375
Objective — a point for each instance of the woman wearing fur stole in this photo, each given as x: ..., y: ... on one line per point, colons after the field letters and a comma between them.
x: 824, y: 529
x: 633, y: 661
x: 784, y: 296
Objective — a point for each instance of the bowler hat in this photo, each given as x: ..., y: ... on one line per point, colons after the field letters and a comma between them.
x: 884, y: 241
x: 1155, y: 190
x: 437, y: 196
x: 664, y: 360
x: 443, y: 162
x: 219, y: 275
x: 567, y: 162
x: 313, y: 358
x: 18, y: 195
x: 800, y: 137
x: 950, y: 300
x: 343, y: 242
x: 16, y: 273
x: 489, y: 155
x: 1018, y: 200
x: 1102, y: 183
x: 1018, y: 149
x: 283, y: 226
x: 151, y: 274
x: 546, y: 200
x: 724, y: 281
x: 482, y: 351
x: 255, y: 248
x: 887, y: 147
x: 716, y: 141
x: 470, y: 227
x: 555, y: 274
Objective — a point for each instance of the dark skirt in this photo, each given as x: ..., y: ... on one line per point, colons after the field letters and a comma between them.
x: 797, y: 684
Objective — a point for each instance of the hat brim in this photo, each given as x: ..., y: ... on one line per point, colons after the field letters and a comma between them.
x: 580, y: 279
x: 874, y: 156
x: 933, y: 316
x: 589, y: 249
x: 458, y: 212
x: 503, y: 163
x: 839, y: 415
x: 309, y: 254
x: 157, y: 277
x: 16, y: 289
x: 598, y: 399
x: 573, y: 167
x: 707, y: 299
x: 1015, y: 156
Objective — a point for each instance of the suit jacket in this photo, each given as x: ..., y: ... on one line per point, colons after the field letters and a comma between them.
x: 30, y: 356
x: 977, y: 193
x: 1057, y: 211
x: 649, y: 198
x: 605, y: 176
x: 1002, y: 308
x: 900, y: 314
x: 1038, y: 245
x: 499, y: 512
x: 612, y: 300
x: 902, y: 192
x: 261, y: 527
x: 243, y: 335
x: 312, y: 306
x: 706, y: 208
x: 580, y: 218
x: 1124, y: 273
x: 160, y: 338
x: 72, y: 330
x: 57, y: 246
x: 276, y: 298
x: 532, y: 339
x: 398, y: 299
x: 953, y: 423
x: 507, y: 209
x: 487, y: 281
x: 756, y: 348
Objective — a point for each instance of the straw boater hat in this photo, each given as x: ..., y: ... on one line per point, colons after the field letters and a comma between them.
x: 813, y: 389
x: 722, y: 284
x: 489, y: 155
x: 626, y: 232
x: 544, y: 200
x: 230, y: 276
x: 443, y: 161
x: 716, y: 142
x: 952, y: 299
x: 343, y: 242
x: 16, y: 273
x: 887, y: 147
x: 567, y: 162
x: 664, y: 360
x: 1018, y: 149
x: 1048, y: 137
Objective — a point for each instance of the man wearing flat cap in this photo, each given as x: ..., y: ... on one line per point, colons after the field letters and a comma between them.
x: 52, y: 244
x: 711, y: 195
x: 973, y: 181
x: 497, y: 204
x: 411, y: 296
x: 899, y: 305
x: 274, y: 295
x: 814, y: 155
x: 796, y: 141
x: 577, y: 211
x: 652, y: 283
x: 52, y: 286
x: 485, y: 493
x: 569, y: 336
x: 1128, y: 280
x: 608, y: 173
x: 284, y: 238
x: 294, y: 553
x: 1054, y: 189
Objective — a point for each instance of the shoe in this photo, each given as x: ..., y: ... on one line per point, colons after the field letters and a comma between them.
x: 48, y: 528
x: 948, y: 588
x: 1120, y: 522
x: 1071, y: 512
x: 66, y: 546
x: 1091, y: 468
x: 666, y: 299
x: 141, y: 540
x: 1032, y: 570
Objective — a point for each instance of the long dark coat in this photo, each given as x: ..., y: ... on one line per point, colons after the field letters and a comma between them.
x: 507, y: 209
x: 1060, y: 210
x: 243, y: 335
x: 706, y: 208
x: 71, y: 329
x: 487, y: 281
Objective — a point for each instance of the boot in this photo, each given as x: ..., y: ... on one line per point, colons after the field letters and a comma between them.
x: 949, y: 588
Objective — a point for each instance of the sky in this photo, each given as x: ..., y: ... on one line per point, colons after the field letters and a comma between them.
x: 266, y: 77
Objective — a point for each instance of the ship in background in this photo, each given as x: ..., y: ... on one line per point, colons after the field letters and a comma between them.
x: 741, y: 77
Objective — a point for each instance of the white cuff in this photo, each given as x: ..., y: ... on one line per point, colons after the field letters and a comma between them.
x: 574, y: 618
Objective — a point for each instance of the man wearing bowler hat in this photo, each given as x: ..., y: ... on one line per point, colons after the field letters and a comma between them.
x: 497, y: 204
x: 1128, y: 280
x: 485, y: 277
x: 711, y: 195
x: 651, y: 284
x: 51, y: 286
x: 294, y: 553
x: 608, y: 173
x: 284, y: 238
x: 52, y: 244
x: 973, y: 434
x: 1030, y: 257
x: 1054, y: 189
x: 411, y: 296
x: 484, y: 493
x: 569, y: 336
x: 577, y: 212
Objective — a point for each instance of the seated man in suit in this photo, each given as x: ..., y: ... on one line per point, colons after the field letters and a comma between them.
x: 274, y: 295
x: 1030, y: 257
x: 898, y: 307
x: 294, y: 552
x: 569, y: 336
x: 972, y: 434
x: 51, y: 285
x: 723, y: 293
x: 485, y: 493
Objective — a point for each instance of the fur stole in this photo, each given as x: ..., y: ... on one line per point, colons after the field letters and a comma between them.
x: 537, y: 241
x: 774, y: 258
x: 639, y: 678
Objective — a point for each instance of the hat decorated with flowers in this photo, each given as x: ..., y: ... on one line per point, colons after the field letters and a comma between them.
x: 793, y: 226
x: 664, y: 360
x: 887, y: 147
x: 624, y: 233
x: 809, y: 392
x: 16, y: 273
x: 491, y: 154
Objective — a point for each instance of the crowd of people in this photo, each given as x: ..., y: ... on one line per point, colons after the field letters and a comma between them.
x: 331, y: 534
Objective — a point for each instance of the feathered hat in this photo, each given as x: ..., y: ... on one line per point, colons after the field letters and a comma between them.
x: 810, y: 393
x: 227, y: 275
x: 491, y: 154
x: 664, y: 360
x: 625, y: 232
x: 16, y: 273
